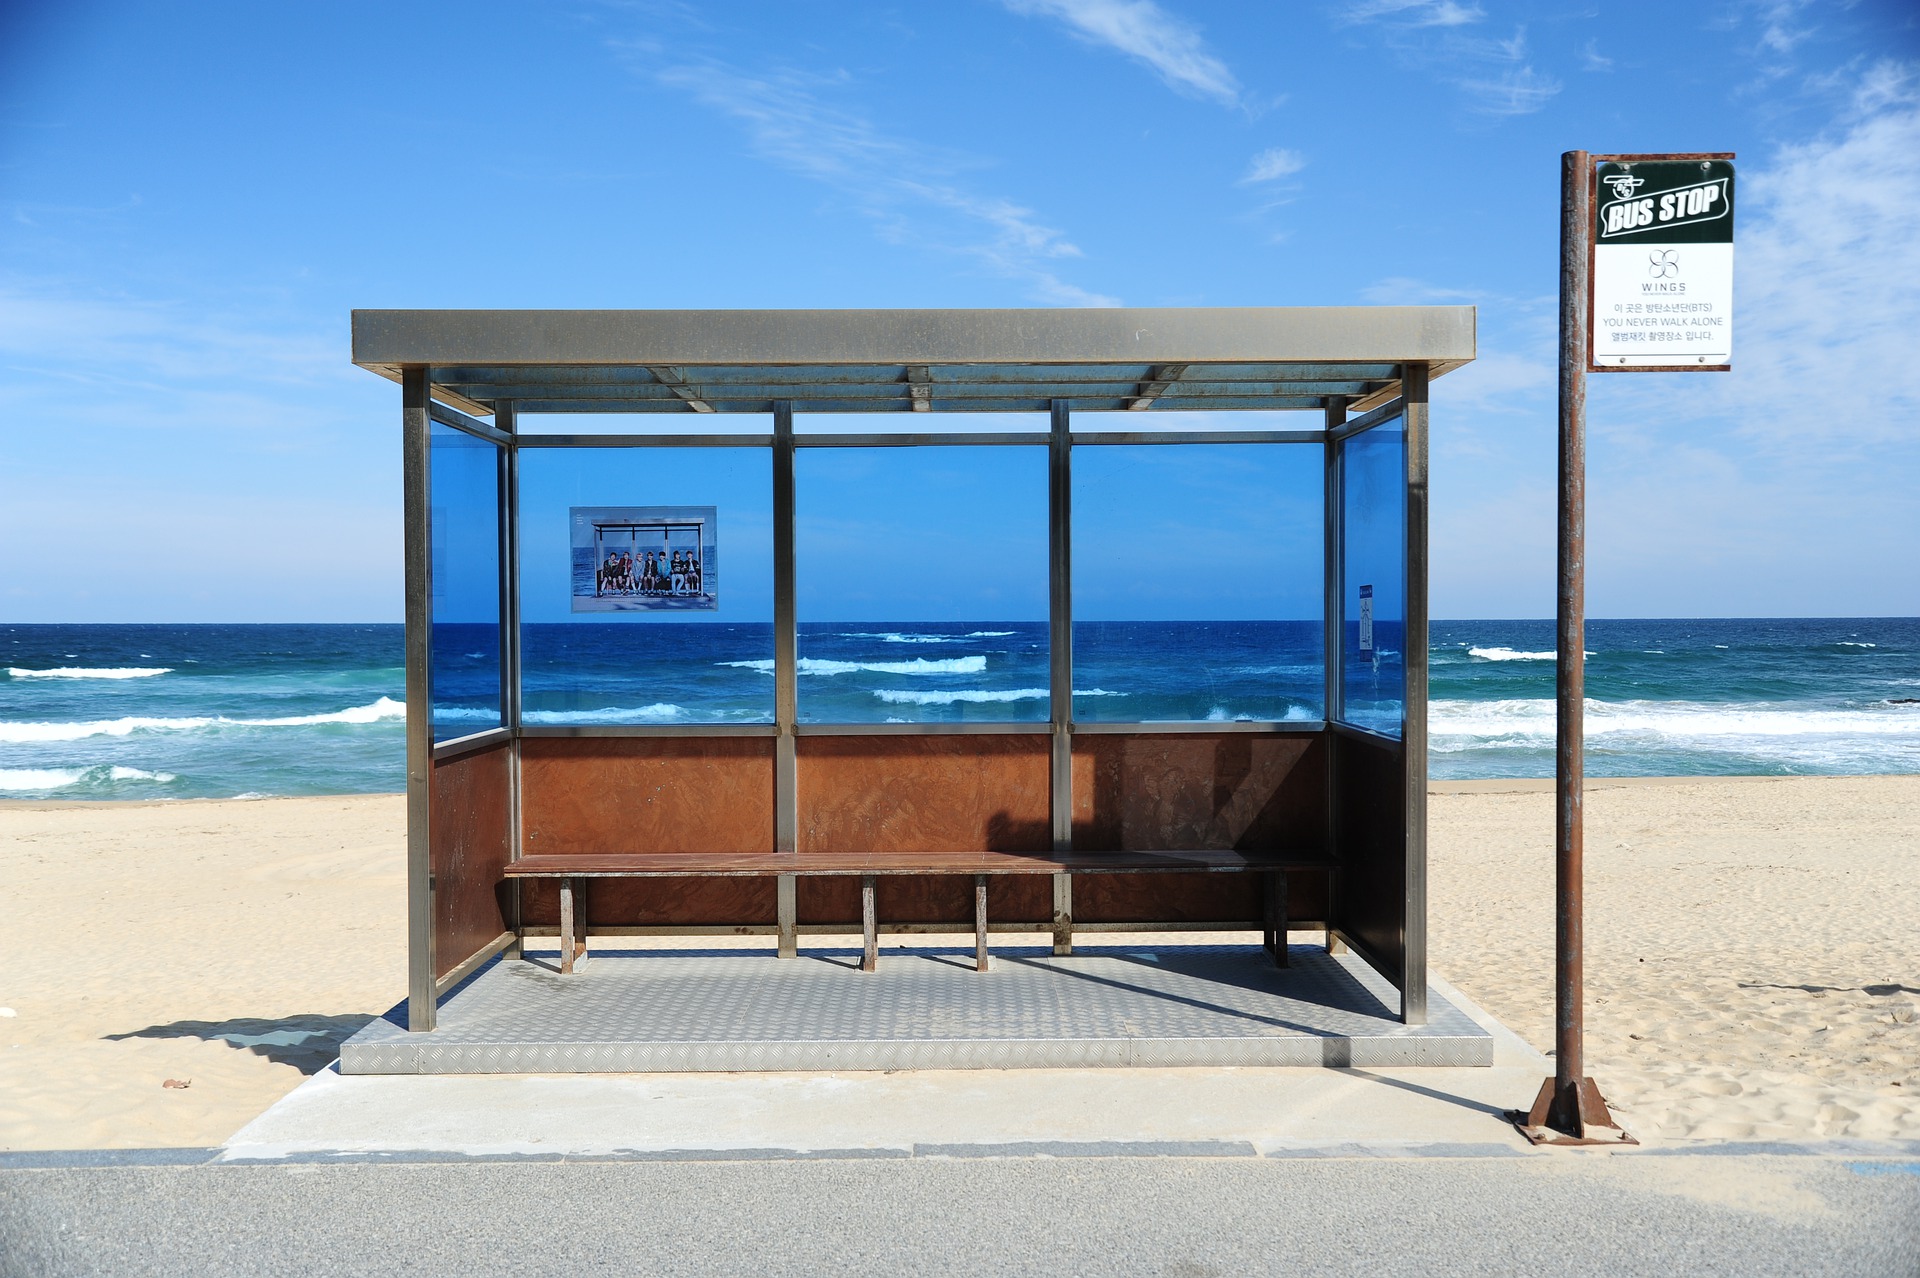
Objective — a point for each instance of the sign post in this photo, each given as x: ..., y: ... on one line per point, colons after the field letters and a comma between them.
x: 1646, y: 284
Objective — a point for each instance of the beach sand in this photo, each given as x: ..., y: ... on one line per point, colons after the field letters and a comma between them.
x: 1753, y: 966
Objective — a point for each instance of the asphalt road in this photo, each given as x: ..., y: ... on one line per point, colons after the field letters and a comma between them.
x: 1569, y: 1213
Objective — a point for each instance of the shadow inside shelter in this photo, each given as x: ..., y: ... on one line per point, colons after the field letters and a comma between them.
x: 308, y: 1043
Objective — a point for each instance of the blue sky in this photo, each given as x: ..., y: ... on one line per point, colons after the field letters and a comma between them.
x: 194, y: 196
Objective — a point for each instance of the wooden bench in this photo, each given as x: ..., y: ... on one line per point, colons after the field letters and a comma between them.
x: 869, y: 866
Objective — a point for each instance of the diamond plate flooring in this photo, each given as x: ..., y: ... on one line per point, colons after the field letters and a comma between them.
x: 699, y: 1010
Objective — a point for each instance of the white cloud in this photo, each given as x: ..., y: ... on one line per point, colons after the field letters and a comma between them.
x: 1415, y: 13
x: 909, y: 191
x: 1273, y: 163
x: 1147, y: 33
x: 1496, y: 75
x: 1515, y: 91
x: 1780, y: 33
x: 1825, y: 308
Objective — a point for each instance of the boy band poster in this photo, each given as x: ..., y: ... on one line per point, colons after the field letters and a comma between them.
x: 644, y: 558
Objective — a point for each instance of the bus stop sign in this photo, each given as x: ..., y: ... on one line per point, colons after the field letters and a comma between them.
x: 1662, y: 265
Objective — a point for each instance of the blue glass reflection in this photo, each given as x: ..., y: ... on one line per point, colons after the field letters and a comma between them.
x: 647, y: 667
x: 1374, y: 577
x: 1197, y: 582
x: 465, y: 543
x: 922, y: 584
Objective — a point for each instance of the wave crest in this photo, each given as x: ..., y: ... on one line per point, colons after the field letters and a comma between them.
x: 917, y: 666
x: 89, y: 672
x: 383, y: 709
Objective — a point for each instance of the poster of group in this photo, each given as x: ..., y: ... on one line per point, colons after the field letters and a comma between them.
x: 644, y: 558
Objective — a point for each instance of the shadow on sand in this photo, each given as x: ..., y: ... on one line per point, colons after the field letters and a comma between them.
x: 308, y: 1043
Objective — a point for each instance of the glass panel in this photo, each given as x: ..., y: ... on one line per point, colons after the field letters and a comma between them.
x: 1374, y: 577
x: 922, y: 584
x: 646, y: 585
x: 676, y: 422
x: 1197, y: 582
x: 931, y: 423
x: 465, y: 541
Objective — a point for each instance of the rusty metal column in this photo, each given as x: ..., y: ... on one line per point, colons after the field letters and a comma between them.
x: 786, y: 708
x: 416, y: 433
x: 1569, y: 1108
x: 1570, y: 648
x: 1060, y: 648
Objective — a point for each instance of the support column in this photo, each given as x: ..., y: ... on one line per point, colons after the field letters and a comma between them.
x: 1334, y: 635
x: 980, y: 922
x: 1413, y: 731
x: 869, y: 927
x: 1060, y: 649
x: 786, y: 804
x: 507, y: 420
x: 786, y: 913
x: 416, y: 479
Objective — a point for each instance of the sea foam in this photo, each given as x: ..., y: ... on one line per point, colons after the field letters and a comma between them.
x: 917, y: 666
x: 383, y: 709
x: 978, y: 696
x: 89, y: 672
x: 60, y: 778
x: 658, y: 712
x: 1533, y: 719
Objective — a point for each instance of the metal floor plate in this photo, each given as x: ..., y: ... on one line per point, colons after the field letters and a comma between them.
x: 700, y: 1010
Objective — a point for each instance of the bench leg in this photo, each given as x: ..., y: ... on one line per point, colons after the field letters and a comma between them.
x: 580, y: 904
x: 786, y: 913
x: 1063, y: 914
x: 1276, y: 920
x: 566, y: 926
x: 869, y: 933
x: 980, y: 922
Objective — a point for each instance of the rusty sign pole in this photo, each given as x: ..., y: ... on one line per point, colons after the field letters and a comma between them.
x: 1569, y: 1109
x: 1666, y: 290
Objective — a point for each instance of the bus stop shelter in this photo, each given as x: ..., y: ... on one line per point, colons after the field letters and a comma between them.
x: 579, y: 821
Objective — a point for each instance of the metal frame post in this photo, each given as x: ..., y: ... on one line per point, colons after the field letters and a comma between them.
x: 416, y: 433
x: 1569, y: 1108
x: 1335, y: 643
x: 1413, y: 726
x: 1060, y: 654
x: 785, y: 636
x: 504, y: 417
x: 786, y: 701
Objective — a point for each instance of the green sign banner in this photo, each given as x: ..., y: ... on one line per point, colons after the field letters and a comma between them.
x: 1663, y: 264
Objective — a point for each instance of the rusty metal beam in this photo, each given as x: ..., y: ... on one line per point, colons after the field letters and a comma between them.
x: 675, y: 381
x: 1155, y: 386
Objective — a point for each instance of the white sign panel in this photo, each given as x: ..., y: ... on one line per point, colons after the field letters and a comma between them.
x: 1663, y: 265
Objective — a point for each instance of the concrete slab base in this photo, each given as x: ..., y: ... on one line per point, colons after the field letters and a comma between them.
x: 1233, y: 1111
x: 654, y: 1011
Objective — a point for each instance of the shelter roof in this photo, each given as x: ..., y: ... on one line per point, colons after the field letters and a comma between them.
x: 854, y: 361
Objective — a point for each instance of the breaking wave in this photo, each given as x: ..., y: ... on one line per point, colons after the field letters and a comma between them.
x: 89, y: 672
x: 978, y: 696
x: 917, y: 666
x: 27, y: 779
x: 383, y: 709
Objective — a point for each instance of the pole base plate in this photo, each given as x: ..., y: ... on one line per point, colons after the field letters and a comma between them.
x: 1583, y: 1119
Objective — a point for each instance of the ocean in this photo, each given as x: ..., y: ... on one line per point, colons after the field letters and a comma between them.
x: 225, y: 711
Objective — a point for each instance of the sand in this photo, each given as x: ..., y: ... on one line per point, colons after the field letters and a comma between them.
x: 1753, y: 945
x: 1753, y: 963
